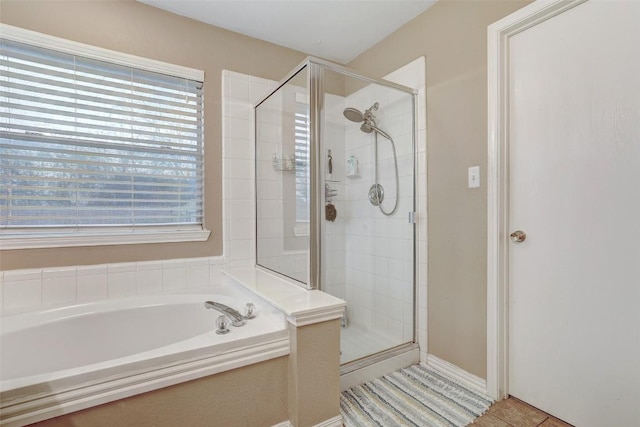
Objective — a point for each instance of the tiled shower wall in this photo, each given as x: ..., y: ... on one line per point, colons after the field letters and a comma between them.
x: 379, y: 247
x: 282, y: 247
x: 334, y: 243
x: 239, y: 94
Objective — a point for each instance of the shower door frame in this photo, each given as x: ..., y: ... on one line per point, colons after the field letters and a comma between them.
x: 399, y: 349
x: 315, y: 88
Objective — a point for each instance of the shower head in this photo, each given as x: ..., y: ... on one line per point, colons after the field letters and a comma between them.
x: 353, y: 114
x: 357, y: 116
x: 367, y: 119
x: 366, y: 127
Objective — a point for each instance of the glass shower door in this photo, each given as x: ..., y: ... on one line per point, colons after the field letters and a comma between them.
x: 368, y: 235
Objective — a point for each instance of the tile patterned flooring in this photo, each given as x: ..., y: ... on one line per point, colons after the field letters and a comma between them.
x: 512, y: 412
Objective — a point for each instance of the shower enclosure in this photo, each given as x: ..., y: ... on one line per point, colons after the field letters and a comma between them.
x: 335, y: 202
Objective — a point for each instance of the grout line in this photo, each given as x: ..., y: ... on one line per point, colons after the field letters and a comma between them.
x: 543, y: 421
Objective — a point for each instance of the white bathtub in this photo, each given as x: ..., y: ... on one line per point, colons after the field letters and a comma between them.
x: 61, y: 360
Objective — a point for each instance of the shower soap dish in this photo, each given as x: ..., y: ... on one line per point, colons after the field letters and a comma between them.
x: 282, y: 162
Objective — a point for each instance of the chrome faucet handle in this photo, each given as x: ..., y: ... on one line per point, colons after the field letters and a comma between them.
x: 249, y: 311
x: 222, y: 325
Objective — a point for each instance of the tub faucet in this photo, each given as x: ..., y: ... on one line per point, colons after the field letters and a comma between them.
x: 236, y: 318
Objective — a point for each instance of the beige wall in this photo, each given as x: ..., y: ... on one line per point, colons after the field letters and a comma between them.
x: 314, y: 373
x: 131, y: 27
x: 452, y: 35
x: 234, y: 398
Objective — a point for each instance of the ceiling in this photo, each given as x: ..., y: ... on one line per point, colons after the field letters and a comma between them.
x: 338, y: 30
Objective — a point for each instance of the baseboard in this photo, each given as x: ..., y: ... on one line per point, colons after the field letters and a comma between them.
x: 331, y: 422
x: 467, y: 379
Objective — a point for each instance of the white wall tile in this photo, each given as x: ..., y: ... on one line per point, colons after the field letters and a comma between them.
x: 238, y: 148
x: 121, y: 280
x: 123, y: 267
x: 240, y: 189
x: 1, y: 291
x: 258, y: 88
x: 216, y: 275
x: 198, y: 273
x: 22, y: 294
x: 238, y: 128
x: 19, y: 275
x: 149, y: 265
x: 59, y: 286
x: 91, y: 287
x: 240, y: 169
x: 242, y: 210
x: 242, y: 229
x: 174, y: 275
x: 149, y: 280
x: 92, y: 270
x: 237, y: 86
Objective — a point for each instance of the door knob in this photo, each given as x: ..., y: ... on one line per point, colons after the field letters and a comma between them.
x: 518, y: 236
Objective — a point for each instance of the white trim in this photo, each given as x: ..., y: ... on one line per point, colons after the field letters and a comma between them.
x: 331, y: 422
x: 29, y: 408
x: 302, y: 307
x: 317, y: 316
x: 21, y: 35
x: 467, y: 379
x: 498, y: 183
x: 99, y: 239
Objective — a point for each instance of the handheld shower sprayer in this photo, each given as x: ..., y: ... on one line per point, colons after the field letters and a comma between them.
x: 369, y: 125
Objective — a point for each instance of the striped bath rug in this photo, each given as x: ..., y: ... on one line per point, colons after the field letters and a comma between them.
x: 415, y: 396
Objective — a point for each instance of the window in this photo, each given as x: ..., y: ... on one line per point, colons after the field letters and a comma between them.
x: 301, y: 152
x: 97, y: 145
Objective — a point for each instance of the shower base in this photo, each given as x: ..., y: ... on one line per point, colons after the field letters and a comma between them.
x: 357, y: 342
x: 361, y: 348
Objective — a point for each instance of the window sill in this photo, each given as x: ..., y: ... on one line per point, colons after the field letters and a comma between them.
x: 65, y: 240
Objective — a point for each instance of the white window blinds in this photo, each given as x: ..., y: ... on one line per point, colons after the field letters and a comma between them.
x: 302, y: 161
x: 86, y: 143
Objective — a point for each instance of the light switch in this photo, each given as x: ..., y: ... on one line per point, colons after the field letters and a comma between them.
x: 474, y: 177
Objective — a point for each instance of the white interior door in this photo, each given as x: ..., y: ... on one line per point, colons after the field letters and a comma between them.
x: 574, y: 177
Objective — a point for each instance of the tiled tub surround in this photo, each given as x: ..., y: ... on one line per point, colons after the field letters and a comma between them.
x: 33, y: 289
